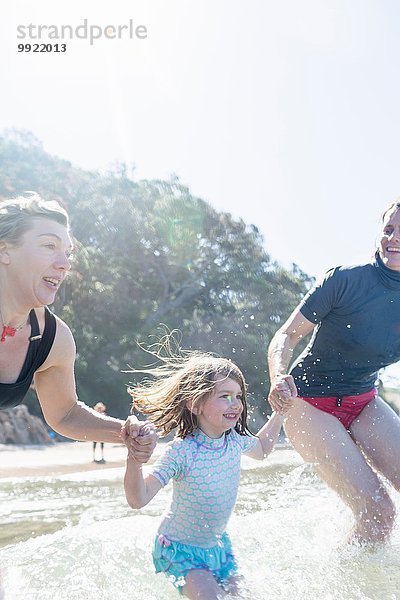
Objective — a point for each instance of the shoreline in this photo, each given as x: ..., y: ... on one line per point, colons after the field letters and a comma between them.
x: 63, y: 458
x: 56, y: 459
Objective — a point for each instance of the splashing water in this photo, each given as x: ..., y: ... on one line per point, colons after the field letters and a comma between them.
x: 78, y: 540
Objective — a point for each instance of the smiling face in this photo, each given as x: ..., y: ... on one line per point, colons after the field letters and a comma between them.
x: 38, y: 264
x: 222, y: 408
x: 389, y: 247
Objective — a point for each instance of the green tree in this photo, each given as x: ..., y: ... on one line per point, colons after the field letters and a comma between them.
x: 147, y: 253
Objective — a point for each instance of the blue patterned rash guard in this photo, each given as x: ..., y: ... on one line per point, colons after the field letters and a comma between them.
x: 205, y: 474
x: 357, y: 313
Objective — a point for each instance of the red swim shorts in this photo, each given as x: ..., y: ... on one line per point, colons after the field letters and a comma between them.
x: 344, y: 408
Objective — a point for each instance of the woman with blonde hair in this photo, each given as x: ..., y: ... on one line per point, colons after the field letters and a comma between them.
x: 35, y: 345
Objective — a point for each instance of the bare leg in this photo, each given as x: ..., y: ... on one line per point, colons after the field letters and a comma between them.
x: 201, y: 585
x: 377, y: 432
x: 321, y: 439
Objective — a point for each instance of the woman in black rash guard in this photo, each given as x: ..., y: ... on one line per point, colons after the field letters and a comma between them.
x: 336, y: 419
x: 35, y: 248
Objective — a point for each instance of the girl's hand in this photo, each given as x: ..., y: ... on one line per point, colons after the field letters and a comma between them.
x: 140, y: 438
x: 282, y: 393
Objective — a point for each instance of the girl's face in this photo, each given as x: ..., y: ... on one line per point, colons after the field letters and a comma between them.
x: 37, y: 266
x: 221, y: 410
x: 390, y: 240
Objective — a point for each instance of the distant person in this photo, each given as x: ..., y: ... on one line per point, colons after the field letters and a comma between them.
x: 100, y: 408
x: 338, y: 422
x: 35, y: 257
x: 204, y: 399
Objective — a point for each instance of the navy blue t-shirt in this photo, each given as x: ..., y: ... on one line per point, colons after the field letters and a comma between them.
x: 357, y: 312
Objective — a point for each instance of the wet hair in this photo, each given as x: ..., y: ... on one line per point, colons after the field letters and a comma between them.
x: 17, y: 215
x: 183, y: 377
x: 393, y: 206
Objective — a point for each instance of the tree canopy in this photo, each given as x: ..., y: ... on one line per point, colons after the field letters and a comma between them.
x: 150, y: 253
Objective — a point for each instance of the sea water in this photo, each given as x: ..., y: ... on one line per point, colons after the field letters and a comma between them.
x: 74, y: 538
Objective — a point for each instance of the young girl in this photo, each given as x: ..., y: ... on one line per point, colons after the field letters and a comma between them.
x: 204, y: 399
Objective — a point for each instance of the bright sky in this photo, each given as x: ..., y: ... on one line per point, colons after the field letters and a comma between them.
x: 284, y: 113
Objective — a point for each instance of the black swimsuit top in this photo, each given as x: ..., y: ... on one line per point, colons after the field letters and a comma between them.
x: 12, y: 394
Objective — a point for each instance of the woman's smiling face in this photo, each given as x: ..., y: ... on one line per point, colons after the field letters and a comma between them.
x: 389, y: 246
x: 39, y: 263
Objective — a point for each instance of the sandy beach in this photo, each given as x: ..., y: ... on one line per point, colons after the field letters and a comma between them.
x: 57, y: 459
x: 74, y: 457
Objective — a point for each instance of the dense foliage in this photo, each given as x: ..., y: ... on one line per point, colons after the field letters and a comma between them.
x: 149, y: 253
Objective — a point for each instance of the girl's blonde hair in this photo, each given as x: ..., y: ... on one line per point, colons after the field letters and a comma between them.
x: 184, y: 377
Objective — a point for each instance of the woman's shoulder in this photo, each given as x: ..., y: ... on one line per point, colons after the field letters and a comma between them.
x: 63, y: 349
x: 350, y: 269
x: 347, y: 273
x: 341, y: 284
x: 63, y: 333
x: 44, y: 314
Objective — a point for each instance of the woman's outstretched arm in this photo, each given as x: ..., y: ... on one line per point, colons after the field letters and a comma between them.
x: 280, y: 353
x: 56, y: 390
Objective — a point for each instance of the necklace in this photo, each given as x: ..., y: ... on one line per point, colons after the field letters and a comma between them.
x: 8, y: 330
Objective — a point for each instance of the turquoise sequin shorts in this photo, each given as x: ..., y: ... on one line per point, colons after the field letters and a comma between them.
x: 176, y: 559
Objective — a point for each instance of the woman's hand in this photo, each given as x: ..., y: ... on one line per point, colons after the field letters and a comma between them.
x: 140, y: 438
x: 282, y: 393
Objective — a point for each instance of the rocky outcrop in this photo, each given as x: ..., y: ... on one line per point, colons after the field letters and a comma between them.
x: 18, y: 426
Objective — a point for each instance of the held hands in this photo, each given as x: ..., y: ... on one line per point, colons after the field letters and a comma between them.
x: 282, y: 393
x: 140, y: 438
